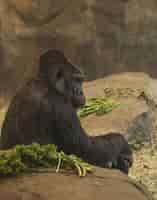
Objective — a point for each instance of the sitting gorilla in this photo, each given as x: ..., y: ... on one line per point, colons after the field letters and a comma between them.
x: 44, y: 111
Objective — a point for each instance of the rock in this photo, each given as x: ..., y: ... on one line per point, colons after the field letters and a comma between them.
x: 150, y: 93
x: 132, y: 116
x: 15, y: 195
x: 101, y: 37
x: 103, y: 184
x: 150, y: 96
x: 38, y: 12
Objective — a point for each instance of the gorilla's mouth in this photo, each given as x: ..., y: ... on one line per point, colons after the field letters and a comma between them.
x: 77, y: 92
x: 78, y: 98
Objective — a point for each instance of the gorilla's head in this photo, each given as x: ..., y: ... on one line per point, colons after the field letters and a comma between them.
x: 66, y: 78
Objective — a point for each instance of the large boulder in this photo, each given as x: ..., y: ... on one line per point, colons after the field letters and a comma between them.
x: 103, y: 37
x: 103, y: 184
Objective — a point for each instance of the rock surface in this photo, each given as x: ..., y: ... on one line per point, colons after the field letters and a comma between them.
x: 103, y: 37
x: 132, y: 117
x: 103, y: 184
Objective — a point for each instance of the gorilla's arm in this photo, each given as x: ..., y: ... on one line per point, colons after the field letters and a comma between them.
x: 100, y: 150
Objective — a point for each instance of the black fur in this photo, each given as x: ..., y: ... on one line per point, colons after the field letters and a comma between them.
x: 39, y: 113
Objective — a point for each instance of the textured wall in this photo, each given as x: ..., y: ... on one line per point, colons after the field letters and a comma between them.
x: 103, y: 37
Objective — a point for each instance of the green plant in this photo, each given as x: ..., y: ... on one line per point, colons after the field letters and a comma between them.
x: 24, y: 158
x: 99, y: 106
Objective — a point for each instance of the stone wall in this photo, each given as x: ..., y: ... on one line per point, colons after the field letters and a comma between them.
x: 103, y: 37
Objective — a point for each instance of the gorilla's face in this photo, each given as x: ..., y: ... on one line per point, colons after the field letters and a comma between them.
x: 66, y: 78
x: 71, y: 88
x: 76, y: 91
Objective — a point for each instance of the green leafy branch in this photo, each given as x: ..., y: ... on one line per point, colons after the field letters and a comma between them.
x: 24, y: 158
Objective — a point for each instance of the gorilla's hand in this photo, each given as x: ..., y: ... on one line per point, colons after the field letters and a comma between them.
x: 124, y: 162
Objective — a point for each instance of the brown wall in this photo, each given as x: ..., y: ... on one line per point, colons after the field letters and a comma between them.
x: 103, y: 37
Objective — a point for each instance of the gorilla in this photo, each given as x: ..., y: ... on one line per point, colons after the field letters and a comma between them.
x: 45, y: 111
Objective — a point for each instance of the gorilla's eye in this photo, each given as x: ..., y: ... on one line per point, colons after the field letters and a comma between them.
x: 59, y: 75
